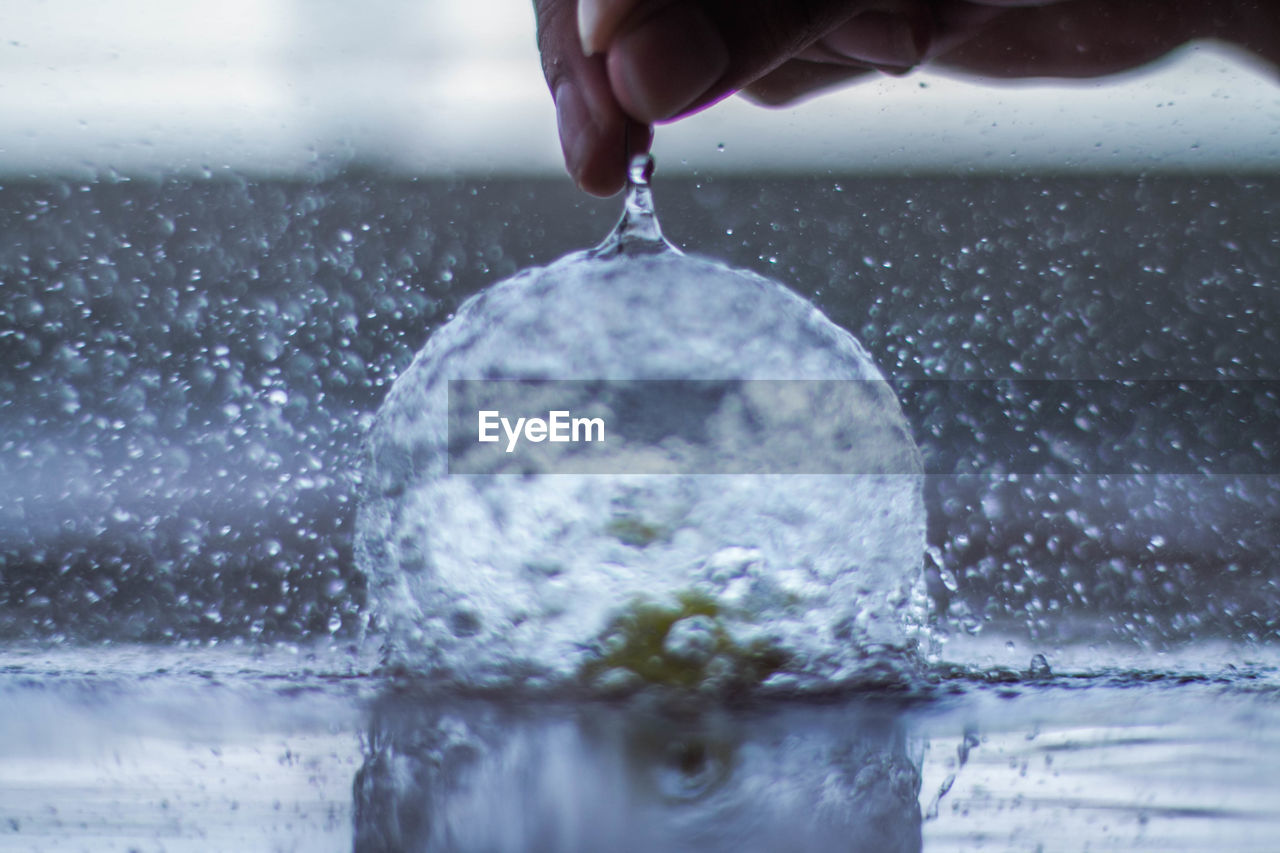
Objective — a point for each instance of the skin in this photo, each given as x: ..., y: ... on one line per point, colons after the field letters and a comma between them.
x: 654, y: 61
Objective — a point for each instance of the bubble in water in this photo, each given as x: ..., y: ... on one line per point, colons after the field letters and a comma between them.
x: 1039, y: 667
x: 619, y: 579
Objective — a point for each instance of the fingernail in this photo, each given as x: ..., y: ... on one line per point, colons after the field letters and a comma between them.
x: 576, y: 128
x: 668, y: 62
x: 597, y: 22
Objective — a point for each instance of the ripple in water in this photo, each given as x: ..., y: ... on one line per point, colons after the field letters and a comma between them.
x: 613, y: 581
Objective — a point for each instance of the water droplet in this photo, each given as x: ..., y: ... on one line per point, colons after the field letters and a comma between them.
x: 638, y: 231
x: 640, y: 170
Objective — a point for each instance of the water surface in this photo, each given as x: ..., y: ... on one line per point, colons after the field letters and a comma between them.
x: 144, y: 749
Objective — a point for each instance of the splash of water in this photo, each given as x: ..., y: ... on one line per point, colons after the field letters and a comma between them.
x: 617, y: 580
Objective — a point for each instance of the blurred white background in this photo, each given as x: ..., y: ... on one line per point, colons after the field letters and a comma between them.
x: 432, y: 86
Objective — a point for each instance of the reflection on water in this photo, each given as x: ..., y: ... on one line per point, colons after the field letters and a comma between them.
x: 225, y: 750
x: 472, y: 776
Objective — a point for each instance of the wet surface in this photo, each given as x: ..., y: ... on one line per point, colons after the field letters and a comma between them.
x: 161, y: 750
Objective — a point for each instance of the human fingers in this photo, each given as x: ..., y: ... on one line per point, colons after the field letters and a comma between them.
x: 1047, y: 38
x: 1091, y: 38
x: 1073, y: 39
x: 856, y: 48
x: 595, y: 133
x: 798, y: 79
x: 667, y: 58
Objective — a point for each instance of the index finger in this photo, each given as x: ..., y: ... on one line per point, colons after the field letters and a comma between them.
x: 594, y: 131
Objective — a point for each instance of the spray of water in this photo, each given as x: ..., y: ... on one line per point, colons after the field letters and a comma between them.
x: 611, y: 581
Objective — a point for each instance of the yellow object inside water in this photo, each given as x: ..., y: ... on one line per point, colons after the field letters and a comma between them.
x: 637, y: 653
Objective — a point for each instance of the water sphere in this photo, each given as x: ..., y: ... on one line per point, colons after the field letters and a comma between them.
x: 776, y: 544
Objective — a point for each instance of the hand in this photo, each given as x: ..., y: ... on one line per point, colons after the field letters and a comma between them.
x: 617, y: 66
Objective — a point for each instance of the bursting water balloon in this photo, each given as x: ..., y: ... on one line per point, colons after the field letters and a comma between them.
x: 778, y: 548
